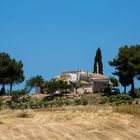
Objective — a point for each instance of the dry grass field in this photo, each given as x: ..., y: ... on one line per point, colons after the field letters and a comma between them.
x: 69, y: 123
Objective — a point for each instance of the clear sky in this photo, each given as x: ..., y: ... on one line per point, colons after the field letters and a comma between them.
x: 52, y: 36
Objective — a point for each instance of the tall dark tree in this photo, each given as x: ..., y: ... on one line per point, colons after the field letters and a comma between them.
x: 11, y: 71
x: 4, y: 66
x: 98, y: 64
x: 127, y: 66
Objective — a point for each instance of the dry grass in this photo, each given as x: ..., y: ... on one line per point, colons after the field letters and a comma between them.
x: 69, y: 123
x: 24, y: 114
x: 128, y: 109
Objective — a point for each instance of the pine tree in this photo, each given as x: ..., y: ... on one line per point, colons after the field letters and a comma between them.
x: 127, y: 66
x: 98, y: 64
x: 11, y: 71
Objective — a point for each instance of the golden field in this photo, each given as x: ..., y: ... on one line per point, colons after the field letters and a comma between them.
x: 69, y: 123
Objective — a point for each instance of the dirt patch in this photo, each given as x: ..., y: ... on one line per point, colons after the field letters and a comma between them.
x: 1, y: 123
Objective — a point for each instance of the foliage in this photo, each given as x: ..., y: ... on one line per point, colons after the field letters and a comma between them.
x: 18, y: 93
x: 27, y: 102
x: 4, y: 66
x: 117, y: 99
x: 60, y: 85
x: 98, y: 61
x: 11, y: 71
x: 19, y: 99
x: 114, y: 81
x: 127, y: 66
x: 33, y: 82
x: 76, y: 85
x: 81, y: 101
x: 15, y: 72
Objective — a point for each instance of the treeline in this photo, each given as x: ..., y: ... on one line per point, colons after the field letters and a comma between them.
x: 126, y: 64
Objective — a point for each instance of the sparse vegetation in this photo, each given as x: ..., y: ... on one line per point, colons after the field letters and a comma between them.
x: 25, y: 101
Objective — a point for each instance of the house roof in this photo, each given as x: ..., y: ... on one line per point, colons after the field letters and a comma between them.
x: 70, y: 72
x: 74, y: 71
x: 98, y: 76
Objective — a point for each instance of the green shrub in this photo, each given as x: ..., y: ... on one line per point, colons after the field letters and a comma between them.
x: 67, y: 102
x: 104, y: 100
x: 81, y: 101
x: 117, y: 99
x: 19, y: 100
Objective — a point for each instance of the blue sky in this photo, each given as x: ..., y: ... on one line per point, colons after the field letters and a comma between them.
x: 52, y: 36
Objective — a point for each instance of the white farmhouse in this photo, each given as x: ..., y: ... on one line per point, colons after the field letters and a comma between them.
x: 91, y: 82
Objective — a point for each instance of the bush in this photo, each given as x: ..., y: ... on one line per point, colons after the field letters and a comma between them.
x: 19, y: 100
x: 81, y: 101
x: 117, y: 99
x: 67, y: 102
x: 104, y: 100
x: 17, y: 94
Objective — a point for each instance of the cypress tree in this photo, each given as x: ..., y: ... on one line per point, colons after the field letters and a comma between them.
x: 98, y: 64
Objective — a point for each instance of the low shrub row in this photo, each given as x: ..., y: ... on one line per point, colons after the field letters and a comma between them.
x: 26, y: 102
x: 117, y: 99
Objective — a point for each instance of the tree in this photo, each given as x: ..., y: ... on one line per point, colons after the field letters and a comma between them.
x: 59, y: 85
x: 98, y: 64
x: 33, y: 82
x: 15, y: 72
x: 124, y: 79
x: 11, y: 71
x: 76, y: 85
x: 114, y: 81
x: 127, y: 66
x: 4, y: 65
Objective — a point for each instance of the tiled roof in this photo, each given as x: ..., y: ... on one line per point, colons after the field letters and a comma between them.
x: 97, y: 75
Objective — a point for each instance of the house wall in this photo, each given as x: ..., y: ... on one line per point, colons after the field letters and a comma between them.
x: 85, y: 88
x: 73, y: 76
